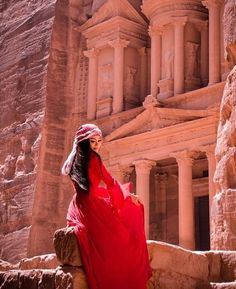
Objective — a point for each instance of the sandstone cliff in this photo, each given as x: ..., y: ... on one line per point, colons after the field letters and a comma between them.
x: 39, y: 54
x: 24, y: 49
x: 223, y: 235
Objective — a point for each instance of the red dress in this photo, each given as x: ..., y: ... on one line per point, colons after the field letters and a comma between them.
x: 110, y: 232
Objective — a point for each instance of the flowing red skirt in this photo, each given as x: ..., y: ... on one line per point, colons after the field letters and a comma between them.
x: 112, y: 242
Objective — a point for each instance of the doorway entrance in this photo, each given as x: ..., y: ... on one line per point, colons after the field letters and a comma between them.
x: 202, y: 228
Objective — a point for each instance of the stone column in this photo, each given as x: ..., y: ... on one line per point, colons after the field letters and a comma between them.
x: 118, y: 74
x: 92, y: 83
x: 186, y: 204
x: 143, y: 168
x: 143, y: 73
x: 210, y: 152
x: 155, y: 34
x: 214, y: 39
x: 204, y: 53
x: 179, y: 23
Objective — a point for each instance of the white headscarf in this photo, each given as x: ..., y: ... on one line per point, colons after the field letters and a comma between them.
x: 84, y: 132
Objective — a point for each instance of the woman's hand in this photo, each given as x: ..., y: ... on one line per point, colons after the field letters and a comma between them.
x: 135, y: 199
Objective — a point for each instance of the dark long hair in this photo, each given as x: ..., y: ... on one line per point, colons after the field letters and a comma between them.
x: 79, y: 170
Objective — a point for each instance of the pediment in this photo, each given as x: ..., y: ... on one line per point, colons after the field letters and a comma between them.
x: 111, y: 9
x: 154, y: 118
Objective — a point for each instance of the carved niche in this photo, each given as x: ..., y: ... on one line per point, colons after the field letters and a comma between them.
x: 130, y: 87
x: 192, y: 66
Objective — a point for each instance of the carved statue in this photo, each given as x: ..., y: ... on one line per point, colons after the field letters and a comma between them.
x: 130, y: 80
x: 106, y: 79
x: 169, y: 64
x: 192, y: 62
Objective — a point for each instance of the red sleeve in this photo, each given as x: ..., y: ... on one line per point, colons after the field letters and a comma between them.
x: 97, y: 173
x: 114, y: 189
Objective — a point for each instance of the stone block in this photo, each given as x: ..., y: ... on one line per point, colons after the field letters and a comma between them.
x: 214, y: 260
x: 171, y: 258
x: 228, y: 266
x: 47, y: 280
x: 5, y: 266
x: 48, y: 261
x: 9, y: 280
x: 66, y: 247
x: 29, y: 279
x: 63, y: 280
x: 78, y: 275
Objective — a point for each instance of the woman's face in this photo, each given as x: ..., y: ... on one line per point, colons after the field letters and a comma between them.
x: 95, y: 143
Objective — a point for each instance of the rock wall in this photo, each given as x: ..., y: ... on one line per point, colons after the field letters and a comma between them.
x: 64, y: 112
x: 223, y: 231
x: 43, y: 74
x: 24, y: 49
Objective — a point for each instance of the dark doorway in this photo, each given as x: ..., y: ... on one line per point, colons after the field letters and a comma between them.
x: 202, y: 229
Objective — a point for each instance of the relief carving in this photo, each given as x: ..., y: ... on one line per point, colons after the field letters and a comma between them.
x: 169, y: 64
x: 106, y: 79
x: 130, y: 81
x: 192, y: 60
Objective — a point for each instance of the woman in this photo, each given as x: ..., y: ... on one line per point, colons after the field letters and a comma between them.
x: 108, y: 222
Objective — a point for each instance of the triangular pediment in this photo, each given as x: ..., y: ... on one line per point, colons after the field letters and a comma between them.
x: 112, y: 9
x: 155, y: 118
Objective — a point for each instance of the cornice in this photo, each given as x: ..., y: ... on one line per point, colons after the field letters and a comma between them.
x: 159, y: 144
x: 159, y: 118
x: 212, y: 89
x: 150, y: 8
x: 111, y: 9
x: 106, y: 31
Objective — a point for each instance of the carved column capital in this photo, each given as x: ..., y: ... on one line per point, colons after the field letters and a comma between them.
x: 91, y: 53
x: 119, y: 43
x: 212, y: 3
x: 180, y: 21
x: 203, y: 25
x: 209, y: 150
x: 123, y: 172
x: 142, y: 51
x: 184, y: 157
x: 155, y: 30
x: 144, y: 166
x: 127, y: 171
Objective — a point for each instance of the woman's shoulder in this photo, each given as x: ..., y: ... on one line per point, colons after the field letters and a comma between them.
x: 94, y: 157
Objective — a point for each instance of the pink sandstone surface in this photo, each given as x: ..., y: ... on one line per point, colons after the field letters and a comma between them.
x: 223, y: 234
x: 37, y: 99
x: 25, y: 39
x: 173, y: 267
x: 46, y: 51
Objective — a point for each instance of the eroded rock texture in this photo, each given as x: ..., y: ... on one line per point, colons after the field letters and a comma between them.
x: 40, y: 55
x: 24, y: 49
x: 223, y: 234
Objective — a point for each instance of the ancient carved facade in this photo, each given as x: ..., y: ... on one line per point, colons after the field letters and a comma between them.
x: 161, y: 115
x: 151, y: 75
